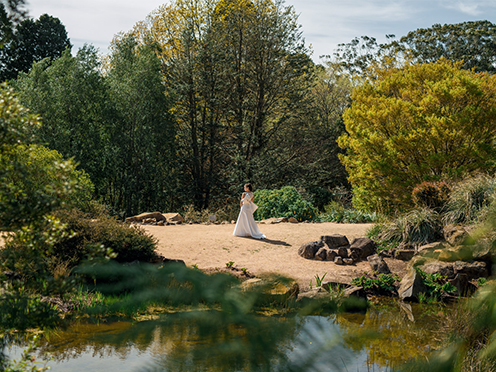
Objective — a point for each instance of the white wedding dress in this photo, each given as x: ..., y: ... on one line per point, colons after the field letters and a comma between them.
x: 246, y: 225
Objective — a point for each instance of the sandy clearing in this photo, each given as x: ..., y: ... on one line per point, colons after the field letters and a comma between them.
x: 211, y: 246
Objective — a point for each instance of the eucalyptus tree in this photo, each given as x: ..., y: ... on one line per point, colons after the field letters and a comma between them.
x: 141, y: 133
x: 232, y: 67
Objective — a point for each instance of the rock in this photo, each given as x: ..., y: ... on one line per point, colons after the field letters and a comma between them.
x: 149, y: 220
x: 338, y: 260
x: 160, y: 223
x: 313, y: 294
x: 176, y: 222
x: 233, y: 222
x: 343, y: 252
x: 460, y: 252
x: 321, y: 254
x: 411, y: 285
x: 157, y: 216
x: 364, y: 247
x: 354, y: 291
x: 354, y: 255
x: 455, y: 234
x: 404, y: 254
x: 331, y: 255
x: 463, y: 285
x: 173, y: 217
x: 378, y: 264
x: 473, y: 270
x: 438, y: 267
x: 335, y: 241
x: 428, y: 249
x: 348, y: 261
x: 292, y: 220
x: 273, y: 290
x: 224, y: 223
x: 308, y: 250
x: 173, y: 261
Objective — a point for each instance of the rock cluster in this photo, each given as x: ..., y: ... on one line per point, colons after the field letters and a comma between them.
x: 156, y: 218
x: 337, y: 248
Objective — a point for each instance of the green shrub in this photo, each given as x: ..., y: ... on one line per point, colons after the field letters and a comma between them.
x: 41, y: 160
x: 335, y: 212
x: 129, y: 243
x: 433, y: 195
x: 470, y: 199
x: 382, y: 283
x: 419, y: 226
x: 286, y: 202
x: 436, y: 284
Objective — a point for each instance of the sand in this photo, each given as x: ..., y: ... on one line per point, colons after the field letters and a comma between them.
x: 212, y: 246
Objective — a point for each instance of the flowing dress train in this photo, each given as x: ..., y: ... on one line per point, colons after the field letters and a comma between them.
x: 246, y: 225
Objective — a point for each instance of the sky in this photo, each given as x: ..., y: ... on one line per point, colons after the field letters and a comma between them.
x: 325, y: 23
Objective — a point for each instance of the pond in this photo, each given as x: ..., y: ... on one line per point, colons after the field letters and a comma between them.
x: 387, y: 335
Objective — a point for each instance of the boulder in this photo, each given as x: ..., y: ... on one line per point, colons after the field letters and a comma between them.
x: 335, y: 241
x: 474, y: 270
x: 173, y: 217
x: 455, y: 234
x: 331, y: 255
x: 463, y: 285
x: 157, y: 216
x: 404, y: 254
x: 452, y: 254
x: 160, y: 223
x: 292, y: 220
x: 438, y: 267
x: 354, y: 291
x: 308, y: 250
x: 273, y: 290
x: 378, y: 264
x: 338, y: 260
x: 313, y: 294
x: 429, y: 248
x: 321, y: 254
x: 348, y: 261
x: 342, y: 252
x: 355, y: 256
x: 364, y: 247
x: 411, y: 285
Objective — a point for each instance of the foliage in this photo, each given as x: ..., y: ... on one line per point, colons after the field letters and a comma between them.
x: 117, y: 126
x: 26, y: 209
x: 433, y: 195
x: 470, y: 199
x: 40, y: 159
x: 382, y: 283
x: 127, y: 243
x: 11, y: 13
x: 420, y: 123
x: 437, y: 285
x: 471, y: 42
x: 334, y: 212
x: 32, y: 41
x: 143, y: 135
x: 319, y: 279
x: 419, y: 227
x: 285, y: 202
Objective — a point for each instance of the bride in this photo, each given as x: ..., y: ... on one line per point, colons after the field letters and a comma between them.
x: 246, y: 225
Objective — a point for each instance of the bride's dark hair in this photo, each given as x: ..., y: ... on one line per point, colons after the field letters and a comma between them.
x: 250, y: 187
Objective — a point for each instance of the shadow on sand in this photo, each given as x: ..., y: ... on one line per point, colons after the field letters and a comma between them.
x: 266, y: 240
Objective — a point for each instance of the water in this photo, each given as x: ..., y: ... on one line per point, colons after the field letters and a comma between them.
x: 387, y: 335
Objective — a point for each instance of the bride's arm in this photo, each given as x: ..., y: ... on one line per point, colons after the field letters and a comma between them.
x: 242, y: 197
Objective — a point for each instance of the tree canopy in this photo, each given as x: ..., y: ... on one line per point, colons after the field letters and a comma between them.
x: 432, y: 121
x: 32, y: 41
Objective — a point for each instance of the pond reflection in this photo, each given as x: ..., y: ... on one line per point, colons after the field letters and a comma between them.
x: 378, y: 340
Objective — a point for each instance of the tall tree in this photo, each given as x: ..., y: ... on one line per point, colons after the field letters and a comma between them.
x: 72, y: 97
x: 32, y: 41
x: 232, y: 66
x: 142, y: 133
